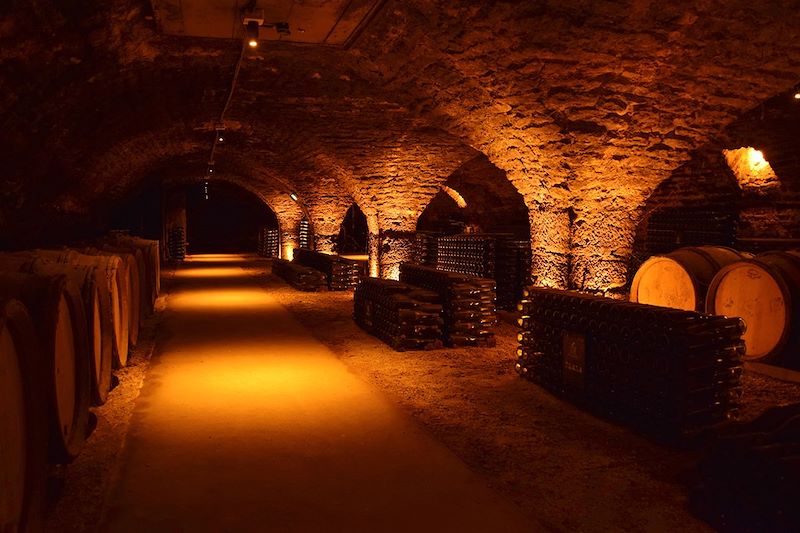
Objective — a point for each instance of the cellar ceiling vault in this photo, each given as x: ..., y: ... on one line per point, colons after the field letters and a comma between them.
x: 585, y: 106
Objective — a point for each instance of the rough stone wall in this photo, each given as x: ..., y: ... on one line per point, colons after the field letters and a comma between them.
x: 395, y: 247
x: 492, y: 202
x: 551, y: 230
x: 374, y: 245
x: 766, y: 208
x: 589, y: 105
x: 327, y: 212
x: 771, y: 209
x: 586, y: 106
x: 704, y: 182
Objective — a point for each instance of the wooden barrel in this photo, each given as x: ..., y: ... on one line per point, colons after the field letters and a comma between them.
x: 680, y: 279
x: 765, y: 292
x: 143, y: 295
x: 114, y: 299
x: 23, y: 421
x: 57, y: 312
x: 134, y: 288
x: 90, y: 282
x: 152, y: 254
x: 99, y: 337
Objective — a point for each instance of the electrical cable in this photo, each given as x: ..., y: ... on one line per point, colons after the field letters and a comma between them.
x: 338, y: 20
x: 234, y: 82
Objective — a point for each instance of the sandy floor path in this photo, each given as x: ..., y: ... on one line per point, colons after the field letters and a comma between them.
x: 247, y: 423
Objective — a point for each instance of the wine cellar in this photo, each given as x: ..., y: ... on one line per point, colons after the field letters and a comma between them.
x: 383, y: 265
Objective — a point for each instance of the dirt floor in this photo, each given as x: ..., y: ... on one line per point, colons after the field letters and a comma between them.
x: 564, y: 468
x: 248, y: 423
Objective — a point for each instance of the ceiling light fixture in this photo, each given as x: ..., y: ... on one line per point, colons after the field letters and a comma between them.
x: 756, y: 157
x: 251, y: 31
x: 293, y: 196
x: 797, y: 95
x: 210, y: 168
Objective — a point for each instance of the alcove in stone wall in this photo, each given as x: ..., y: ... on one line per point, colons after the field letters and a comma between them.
x: 491, y: 203
x: 353, y: 233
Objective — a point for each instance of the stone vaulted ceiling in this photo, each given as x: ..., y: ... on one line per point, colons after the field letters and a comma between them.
x: 586, y: 105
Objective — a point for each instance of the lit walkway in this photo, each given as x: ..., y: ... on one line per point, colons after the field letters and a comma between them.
x: 246, y: 423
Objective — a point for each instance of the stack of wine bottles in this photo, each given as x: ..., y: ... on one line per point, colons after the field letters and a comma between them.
x: 749, y: 477
x: 403, y: 316
x: 298, y: 276
x: 499, y: 256
x: 513, y: 271
x: 467, y: 254
x: 342, y: 274
x: 670, y: 229
x: 305, y: 235
x: 268, y: 241
x: 176, y: 243
x: 467, y: 303
x: 425, y: 248
x: 660, y: 369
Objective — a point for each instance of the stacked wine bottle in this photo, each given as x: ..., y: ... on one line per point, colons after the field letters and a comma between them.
x: 467, y: 254
x: 659, y: 369
x: 425, y: 248
x: 513, y: 271
x: 467, y: 302
x: 305, y: 235
x: 342, y: 274
x: 670, y: 229
x: 405, y: 317
x: 298, y: 276
x: 499, y: 256
x: 268, y: 241
x: 176, y: 243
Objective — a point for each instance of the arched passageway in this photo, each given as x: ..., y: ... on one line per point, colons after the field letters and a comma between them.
x: 354, y: 233
x: 224, y: 218
x: 477, y: 198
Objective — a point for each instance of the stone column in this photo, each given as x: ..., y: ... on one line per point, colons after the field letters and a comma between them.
x: 374, y: 245
x: 603, y: 233
x: 325, y: 242
x: 290, y: 234
x: 395, y: 247
x: 550, y: 242
x: 327, y: 221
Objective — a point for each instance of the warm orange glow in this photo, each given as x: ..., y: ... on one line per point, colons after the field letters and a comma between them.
x: 253, y: 43
x: 751, y: 168
x: 219, y: 258
x: 288, y: 252
x: 245, y: 410
x: 211, y: 272
x: 756, y: 158
x: 548, y: 282
x: 454, y: 194
x: 219, y: 299
x: 797, y: 96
